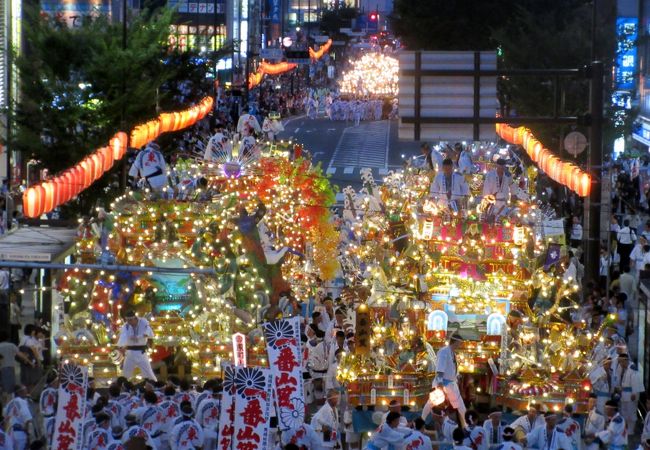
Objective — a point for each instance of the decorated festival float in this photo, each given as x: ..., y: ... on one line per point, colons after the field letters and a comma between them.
x: 229, y: 245
x: 421, y: 271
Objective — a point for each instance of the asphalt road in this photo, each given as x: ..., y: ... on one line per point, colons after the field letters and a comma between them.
x: 344, y: 149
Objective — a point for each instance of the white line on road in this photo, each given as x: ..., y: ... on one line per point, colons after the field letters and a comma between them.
x: 383, y: 171
x: 348, y: 170
x: 340, y: 196
x: 331, y: 170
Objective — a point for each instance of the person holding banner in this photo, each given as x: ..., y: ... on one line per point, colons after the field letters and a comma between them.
x: 133, y: 342
x: 447, y: 374
x: 326, y: 423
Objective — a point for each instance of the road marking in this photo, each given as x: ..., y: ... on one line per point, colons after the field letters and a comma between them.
x: 348, y: 170
x: 340, y: 196
x: 331, y: 170
x: 297, y: 130
x: 363, y: 146
x: 383, y: 171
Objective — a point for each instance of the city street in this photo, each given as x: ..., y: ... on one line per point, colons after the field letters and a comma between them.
x: 343, y: 149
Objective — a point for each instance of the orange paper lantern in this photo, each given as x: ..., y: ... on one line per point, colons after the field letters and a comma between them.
x: 33, y: 201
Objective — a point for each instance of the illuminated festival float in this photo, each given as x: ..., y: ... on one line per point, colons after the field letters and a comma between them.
x: 374, y: 74
x: 422, y: 269
x: 246, y: 235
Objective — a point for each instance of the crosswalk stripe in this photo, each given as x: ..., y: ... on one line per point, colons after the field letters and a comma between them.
x: 331, y: 170
x: 348, y: 170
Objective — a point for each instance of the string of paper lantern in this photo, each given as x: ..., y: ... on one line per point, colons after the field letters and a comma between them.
x: 47, y: 195
x: 315, y: 55
x: 563, y: 172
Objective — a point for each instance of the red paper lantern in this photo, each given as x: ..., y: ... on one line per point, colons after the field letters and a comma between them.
x: 584, y: 187
x: 98, y: 165
x: 49, y: 196
x: 87, y: 173
x: 34, y: 201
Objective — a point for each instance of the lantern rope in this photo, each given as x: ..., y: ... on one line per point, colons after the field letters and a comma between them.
x: 563, y: 172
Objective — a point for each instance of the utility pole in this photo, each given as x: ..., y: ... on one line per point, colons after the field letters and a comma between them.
x: 592, y: 203
x: 123, y: 174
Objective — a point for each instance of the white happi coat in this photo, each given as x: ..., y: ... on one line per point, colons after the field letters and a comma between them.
x: 326, y: 416
x: 501, y: 190
x: 594, y: 424
x: 446, y: 366
x: 541, y: 439
x: 459, y: 189
x: 614, y: 436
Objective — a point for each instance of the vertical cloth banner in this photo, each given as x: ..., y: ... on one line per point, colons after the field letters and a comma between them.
x: 68, y: 425
x: 285, y: 360
x: 252, y: 408
x: 227, y: 413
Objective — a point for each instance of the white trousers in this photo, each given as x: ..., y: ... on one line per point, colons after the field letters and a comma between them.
x: 628, y: 411
x: 452, y: 392
x: 136, y: 358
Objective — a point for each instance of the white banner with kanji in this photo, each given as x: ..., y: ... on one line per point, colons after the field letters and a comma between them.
x: 68, y: 426
x: 285, y: 360
x: 253, y: 401
x: 227, y: 413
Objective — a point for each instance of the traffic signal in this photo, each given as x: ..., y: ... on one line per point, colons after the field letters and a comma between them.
x: 373, y: 16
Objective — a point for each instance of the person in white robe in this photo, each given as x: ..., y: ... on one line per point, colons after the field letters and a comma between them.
x: 326, y: 423
x: 449, y: 189
x: 447, y: 373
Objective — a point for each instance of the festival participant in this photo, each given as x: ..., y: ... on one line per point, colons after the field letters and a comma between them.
x: 447, y: 374
x: 114, y: 407
x: 6, y: 441
x: 450, y: 422
x: 18, y: 419
x: 458, y: 437
x: 417, y: 439
x: 187, y: 434
x: 430, y: 158
x: 498, y: 183
x: 171, y: 409
x: 136, y: 431
x: 494, y: 427
x: 614, y: 436
x: 326, y: 422
x: 218, y: 146
x: 388, y: 433
x: 508, y: 437
x: 150, y: 167
x: 394, y: 406
x: 272, y: 126
x: 248, y: 124
x: 465, y: 163
x: 629, y: 384
x: 151, y: 417
x: 134, y: 337
x: 594, y: 423
x: 570, y: 427
x: 49, y: 396
x: 626, y: 239
x: 100, y: 437
x: 475, y: 435
x: 207, y: 415
x: 303, y: 436
x: 448, y: 187
x: 548, y: 437
x: 186, y: 393
x: 527, y: 422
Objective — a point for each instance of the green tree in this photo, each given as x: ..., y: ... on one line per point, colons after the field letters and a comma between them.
x: 449, y: 24
x: 81, y: 85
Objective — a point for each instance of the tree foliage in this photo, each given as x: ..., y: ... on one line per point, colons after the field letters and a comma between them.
x: 80, y: 85
x: 449, y: 24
